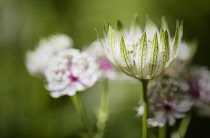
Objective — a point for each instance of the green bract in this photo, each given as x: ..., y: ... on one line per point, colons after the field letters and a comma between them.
x: 142, y: 54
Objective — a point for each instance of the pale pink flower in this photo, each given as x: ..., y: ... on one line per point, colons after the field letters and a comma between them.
x: 71, y: 71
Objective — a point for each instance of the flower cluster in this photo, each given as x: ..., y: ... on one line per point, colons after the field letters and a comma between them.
x: 168, y: 101
x: 143, y: 54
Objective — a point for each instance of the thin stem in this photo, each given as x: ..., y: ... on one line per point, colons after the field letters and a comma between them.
x: 145, y: 114
x: 162, y: 131
x: 184, y: 125
x: 80, y: 109
x: 103, y: 110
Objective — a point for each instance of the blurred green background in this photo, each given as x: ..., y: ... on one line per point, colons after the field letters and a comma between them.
x: 26, y: 109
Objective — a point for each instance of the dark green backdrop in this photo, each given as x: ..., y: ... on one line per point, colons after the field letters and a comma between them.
x: 26, y: 109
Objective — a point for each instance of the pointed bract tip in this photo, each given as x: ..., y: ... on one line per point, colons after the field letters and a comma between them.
x: 164, y: 23
x: 105, y: 29
x: 155, y: 35
x: 109, y: 27
x: 143, y: 38
x: 149, y: 23
x: 148, y: 19
x: 135, y: 20
x: 181, y: 29
x: 109, y: 24
x: 97, y: 35
x: 119, y: 25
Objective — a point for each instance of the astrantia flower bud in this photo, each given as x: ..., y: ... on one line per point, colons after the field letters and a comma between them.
x: 71, y: 71
x: 142, y: 55
x: 37, y: 60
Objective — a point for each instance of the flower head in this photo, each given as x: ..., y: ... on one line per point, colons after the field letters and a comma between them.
x: 37, y: 60
x: 142, y: 54
x: 198, y: 79
x: 71, y: 71
x: 168, y: 101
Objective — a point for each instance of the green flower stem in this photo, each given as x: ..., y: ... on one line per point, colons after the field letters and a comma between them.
x: 103, y: 110
x: 184, y: 125
x: 145, y: 114
x: 162, y: 131
x: 80, y: 109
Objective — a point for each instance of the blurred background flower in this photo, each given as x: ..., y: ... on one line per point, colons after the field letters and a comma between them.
x: 70, y: 72
x: 168, y: 101
x: 27, y: 110
x: 198, y: 79
x: 37, y: 60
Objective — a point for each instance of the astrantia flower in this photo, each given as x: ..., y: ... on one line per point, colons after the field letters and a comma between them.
x: 37, y: 60
x: 71, y: 71
x: 142, y: 54
x: 198, y: 79
x: 185, y: 54
x: 168, y: 101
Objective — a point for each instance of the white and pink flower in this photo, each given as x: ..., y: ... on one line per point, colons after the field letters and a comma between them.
x: 71, y: 71
x: 168, y: 101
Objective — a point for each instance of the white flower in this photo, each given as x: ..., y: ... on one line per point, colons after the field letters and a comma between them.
x: 37, y: 60
x: 168, y: 101
x: 186, y: 52
x: 71, y: 71
x: 142, y: 55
